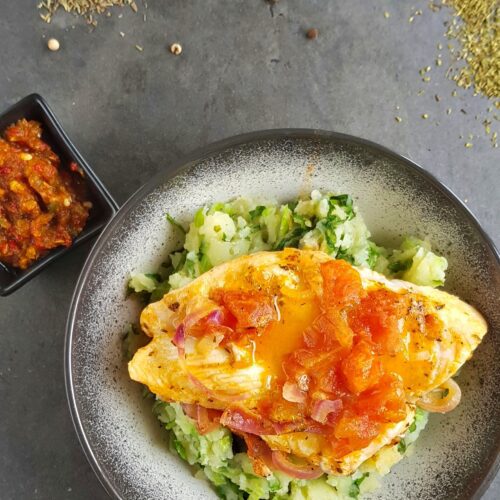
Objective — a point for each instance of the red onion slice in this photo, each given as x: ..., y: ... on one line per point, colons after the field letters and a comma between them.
x: 179, y: 340
x: 204, y: 423
x: 241, y: 421
x: 189, y: 410
x: 284, y: 464
x: 322, y: 409
x: 292, y: 393
x: 216, y: 394
x: 206, y: 309
x: 216, y: 317
x: 206, y: 419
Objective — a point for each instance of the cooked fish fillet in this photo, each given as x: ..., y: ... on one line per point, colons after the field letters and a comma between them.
x: 439, y: 332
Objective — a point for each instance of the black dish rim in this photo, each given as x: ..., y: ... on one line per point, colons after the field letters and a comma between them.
x: 489, y: 471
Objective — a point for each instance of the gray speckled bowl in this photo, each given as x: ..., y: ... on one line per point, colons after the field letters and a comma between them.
x: 456, y: 456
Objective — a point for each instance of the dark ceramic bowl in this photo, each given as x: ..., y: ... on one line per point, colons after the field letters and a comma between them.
x: 457, y: 454
x: 34, y: 107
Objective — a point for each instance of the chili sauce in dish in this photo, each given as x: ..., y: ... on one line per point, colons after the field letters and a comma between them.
x: 42, y: 205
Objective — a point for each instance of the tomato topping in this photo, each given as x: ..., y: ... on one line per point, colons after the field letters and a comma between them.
x: 385, y: 401
x: 334, y: 383
x: 251, y: 309
x: 378, y: 315
x: 219, y: 321
x: 359, y: 430
x: 361, y: 368
x: 341, y: 284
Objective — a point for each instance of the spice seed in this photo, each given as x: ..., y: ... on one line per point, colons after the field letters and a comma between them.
x: 312, y: 33
x: 398, y: 119
x: 176, y: 49
x: 53, y: 44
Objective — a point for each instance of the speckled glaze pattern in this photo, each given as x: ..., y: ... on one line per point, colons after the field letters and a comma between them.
x: 455, y: 456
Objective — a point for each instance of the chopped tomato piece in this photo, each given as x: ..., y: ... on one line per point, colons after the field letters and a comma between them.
x: 379, y: 314
x: 251, y: 309
x: 338, y: 327
x: 385, y: 402
x: 358, y: 429
x: 361, y: 368
x: 328, y: 380
x: 219, y: 321
x: 341, y: 284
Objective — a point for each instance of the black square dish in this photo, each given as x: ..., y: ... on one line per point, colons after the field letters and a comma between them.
x: 34, y: 107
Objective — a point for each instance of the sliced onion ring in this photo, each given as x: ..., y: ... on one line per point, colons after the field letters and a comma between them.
x: 434, y: 401
x: 284, y: 464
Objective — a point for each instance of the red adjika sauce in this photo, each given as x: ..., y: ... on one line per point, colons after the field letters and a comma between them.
x: 42, y: 206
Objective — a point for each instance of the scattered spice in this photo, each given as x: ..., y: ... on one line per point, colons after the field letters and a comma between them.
x: 84, y: 8
x: 425, y: 116
x: 139, y: 48
x: 398, y: 119
x: 476, y: 28
x: 473, y: 34
x: 312, y: 33
x: 53, y: 44
x: 437, y: 98
x: 176, y: 49
x: 387, y: 15
x: 468, y: 145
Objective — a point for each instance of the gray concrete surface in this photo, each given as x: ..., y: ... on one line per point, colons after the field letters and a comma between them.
x: 244, y: 66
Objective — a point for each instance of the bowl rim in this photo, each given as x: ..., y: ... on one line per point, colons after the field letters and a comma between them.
x: 59, y: 139
x: 480, y: 484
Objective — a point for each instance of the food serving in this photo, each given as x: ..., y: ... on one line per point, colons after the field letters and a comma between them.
x: 42, y: 206
x: 292, y: 357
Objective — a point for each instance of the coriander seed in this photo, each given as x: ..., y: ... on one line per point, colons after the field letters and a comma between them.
x: 176, y: 49
x: 53, y: 45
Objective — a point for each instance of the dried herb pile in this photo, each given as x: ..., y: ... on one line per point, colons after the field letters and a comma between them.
x: 476, y: 58
x: 84, y: 8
